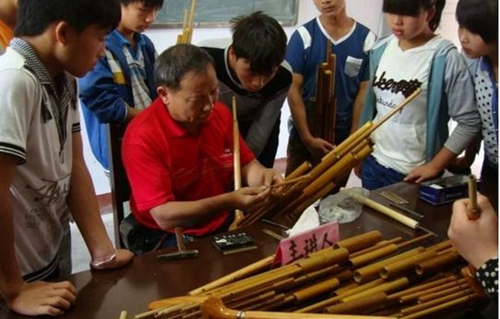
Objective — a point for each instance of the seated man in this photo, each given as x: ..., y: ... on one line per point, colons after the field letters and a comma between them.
x: 250, y: 70
x: 178, y: 155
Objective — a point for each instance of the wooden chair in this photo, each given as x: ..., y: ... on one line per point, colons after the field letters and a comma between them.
x: 120, y: 186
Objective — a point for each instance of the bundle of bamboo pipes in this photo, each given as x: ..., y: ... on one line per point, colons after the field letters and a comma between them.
x: 187, y: 25
x: 360, y: 276
x: 324, y: 104
x: 321, y: 179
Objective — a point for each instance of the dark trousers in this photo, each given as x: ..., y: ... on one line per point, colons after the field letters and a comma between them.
x: 268, y: 154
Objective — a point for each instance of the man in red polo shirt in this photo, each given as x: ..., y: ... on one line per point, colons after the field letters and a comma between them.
x: 178, y: 154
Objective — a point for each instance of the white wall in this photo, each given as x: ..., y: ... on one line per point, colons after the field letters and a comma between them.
x: 367, y: 12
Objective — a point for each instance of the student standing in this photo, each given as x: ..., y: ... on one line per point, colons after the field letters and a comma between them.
x: 350, y: 41
x: 121, y: 84
x: 44, y: 176
x: 414, y: 145
x: 478, y: 33
x: 250, y: 69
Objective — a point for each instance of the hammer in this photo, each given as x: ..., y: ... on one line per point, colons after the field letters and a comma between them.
x: 182, y: 253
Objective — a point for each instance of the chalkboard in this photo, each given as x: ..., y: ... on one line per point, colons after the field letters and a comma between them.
x: 218, y: 13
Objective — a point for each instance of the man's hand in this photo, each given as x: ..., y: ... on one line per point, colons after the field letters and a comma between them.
x: 250, y: 199
x: 43, y: 298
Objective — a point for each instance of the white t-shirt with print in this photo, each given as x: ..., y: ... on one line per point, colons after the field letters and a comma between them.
x: 400, y: 143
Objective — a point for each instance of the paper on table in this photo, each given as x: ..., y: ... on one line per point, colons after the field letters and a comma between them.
x: 308, y: 220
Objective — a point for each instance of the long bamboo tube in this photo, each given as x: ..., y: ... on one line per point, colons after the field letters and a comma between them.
x: 364, y: 304
x: 241, y: 273
x: 368, y: 272
x: 215, y: 309
x: 386, y: 287
x: 405, y: 220
x: 365, y: 240
x: 330, y: 301
x: 464, y: 288
x: 299, y: 171
x: 437, y: 263
x: 371, y: 256
x: 434, y: 302
x: 377, y: 246
x: 238, y: 214
x: 441, y: 307
x: 424, y: 286
x: 417, y: 294
x: 405, y: 264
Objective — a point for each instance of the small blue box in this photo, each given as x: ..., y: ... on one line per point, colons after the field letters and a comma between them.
x: 444, y: 190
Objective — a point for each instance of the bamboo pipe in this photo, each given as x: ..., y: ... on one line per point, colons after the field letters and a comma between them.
x: 299, y: 171
x: 377, y: 246
x: 310, y: 192
x: 319, y: 288
x: 327, y: 302
x: 123, y: 315
x: 473, y: 211
x: 433, y: 302
x: 440, y: 307
x: 362, y: 241
x: 238, y: 214
x: 371, y: 256
x: 365, y: 304
x: 460, y: 288
x: 291, y: 181
x: 415, y: 295
x: 386, y: 287
x: 406, y: 264
x: 366, y: 273
x: 422, y: 287
x: 437, y: 263
x: 172, y: 302
x: 234, y: 276
x: 405, y: 220
x: 214, y: 309
x: 191, y: 19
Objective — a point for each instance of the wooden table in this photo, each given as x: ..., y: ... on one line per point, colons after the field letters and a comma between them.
x: 104, y: 294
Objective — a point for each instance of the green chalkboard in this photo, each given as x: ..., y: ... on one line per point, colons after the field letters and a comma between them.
x: 218, y: 13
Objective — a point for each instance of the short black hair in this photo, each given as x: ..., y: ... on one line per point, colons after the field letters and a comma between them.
x: 34, y: 16
x: 479, y: 17
x: 260, y: 39
x: 154, y: 4
x: 414, y: 7
x: 177, y: 61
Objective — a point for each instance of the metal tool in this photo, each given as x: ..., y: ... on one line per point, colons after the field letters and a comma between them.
x: 182, y: 253
x: 406, y: 209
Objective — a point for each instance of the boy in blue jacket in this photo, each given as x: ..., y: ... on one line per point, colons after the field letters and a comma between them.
x: 122, y: 82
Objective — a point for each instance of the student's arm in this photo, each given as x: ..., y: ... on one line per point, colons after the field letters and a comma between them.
x: 31, y: 299
x: 317, y: 146
x: 85, y: 210
x: 99, y: 95
x: 358, y: 105
x: 462, y: 109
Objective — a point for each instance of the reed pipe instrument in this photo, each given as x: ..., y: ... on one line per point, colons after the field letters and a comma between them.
x: 323, y: 176
x: 324, y: 285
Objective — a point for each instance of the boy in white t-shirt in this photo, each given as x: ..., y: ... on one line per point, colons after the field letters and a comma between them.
x: 44, y: 176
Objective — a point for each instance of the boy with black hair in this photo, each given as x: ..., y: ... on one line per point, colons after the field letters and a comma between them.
x: 44, y: 176
x: 122, y: 82
x: 250, y: 69
x: 332, y: 31
x: 8, y: 12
